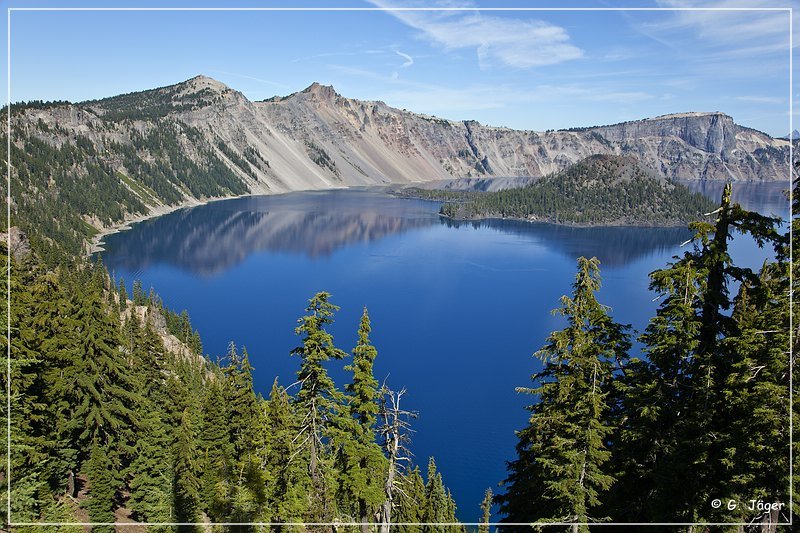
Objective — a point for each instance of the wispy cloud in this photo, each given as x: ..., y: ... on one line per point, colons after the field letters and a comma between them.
x: 509, y: 42
x: 737, y: 33
x: 408, y: 59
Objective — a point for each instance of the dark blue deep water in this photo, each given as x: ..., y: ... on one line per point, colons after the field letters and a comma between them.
x: 457, y: 308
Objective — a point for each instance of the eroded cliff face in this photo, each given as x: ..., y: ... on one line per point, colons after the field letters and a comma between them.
x: 317, y: 138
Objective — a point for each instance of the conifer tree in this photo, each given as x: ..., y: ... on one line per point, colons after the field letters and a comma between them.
x: 123, y: 295
x: 139, y: 297
x: 649, y: 451
x: 759, y: 386
x: 31, y: 440
x: 102, y: 488
x: 103, y: 392
x: 289, y: 486
x: 436, y: 505
x: 48, y: 327
x: 243, y: 405
x: 152, y: 476
x: 216, y: 453
x: 561, y: 470
x: 185, y: 471
x: 439, y: 505
x: 486, y: 512
x: 410, y: 502
x: 678, y: 407
x: 249, y: 491
x: 362, y: 460
x: 319, y: 402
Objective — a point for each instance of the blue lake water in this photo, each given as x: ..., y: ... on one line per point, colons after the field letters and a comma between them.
x: 457, y: 308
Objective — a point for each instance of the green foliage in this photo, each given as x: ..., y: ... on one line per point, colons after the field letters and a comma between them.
x: 319, y: 156
x: 98, y: 401
x: 102, y: 489
x: 439, y: 505
x: 288, y: 485
x: 57, y: 189
x: 236, y: 159
x: 361, y: 461
x: 186, y: 481
x: 318, y: 402
x: 150, y: 104
x: 715, y: 361
x: 64, y: 193
x: 562, y: 473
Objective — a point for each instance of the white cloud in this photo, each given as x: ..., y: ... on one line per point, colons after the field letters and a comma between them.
x: 408, y: 59
x: 497, y: 40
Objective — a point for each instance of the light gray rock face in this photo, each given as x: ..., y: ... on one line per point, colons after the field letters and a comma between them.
x: 317, y: 138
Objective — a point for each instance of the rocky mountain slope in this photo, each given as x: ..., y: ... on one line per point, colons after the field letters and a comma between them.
x: 99, y: 162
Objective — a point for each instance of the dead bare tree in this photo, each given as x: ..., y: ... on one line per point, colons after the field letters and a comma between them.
x: 395, y: 430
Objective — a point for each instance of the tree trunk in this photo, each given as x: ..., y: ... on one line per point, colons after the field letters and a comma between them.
x: 71, y: 484
x: 364, y: 517
x: 769, y: 521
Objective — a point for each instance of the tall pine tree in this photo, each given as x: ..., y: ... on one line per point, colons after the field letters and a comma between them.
x: 362, y: 462
x: 319, y: 403
x: 561, y: 470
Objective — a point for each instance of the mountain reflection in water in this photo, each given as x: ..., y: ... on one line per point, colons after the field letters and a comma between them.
x: 209, y: 239
x: 212, y: 238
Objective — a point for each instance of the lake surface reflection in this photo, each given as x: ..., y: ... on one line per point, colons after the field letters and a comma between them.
x: 457, y: 308
x: 209, y: 239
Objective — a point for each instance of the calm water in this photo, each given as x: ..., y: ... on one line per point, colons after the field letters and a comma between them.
x: 457, y: 308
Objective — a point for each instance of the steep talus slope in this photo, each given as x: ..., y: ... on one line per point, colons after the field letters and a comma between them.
x: 79, y: 168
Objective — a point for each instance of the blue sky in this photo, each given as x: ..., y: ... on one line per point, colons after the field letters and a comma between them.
x: 530, y: 70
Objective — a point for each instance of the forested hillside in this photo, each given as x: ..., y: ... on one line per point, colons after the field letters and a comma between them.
x: 117, y: 417
x: 65, y: 187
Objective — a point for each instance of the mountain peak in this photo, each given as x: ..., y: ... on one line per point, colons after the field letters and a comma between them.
x: 204, y: 82
x: 326, y: 91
